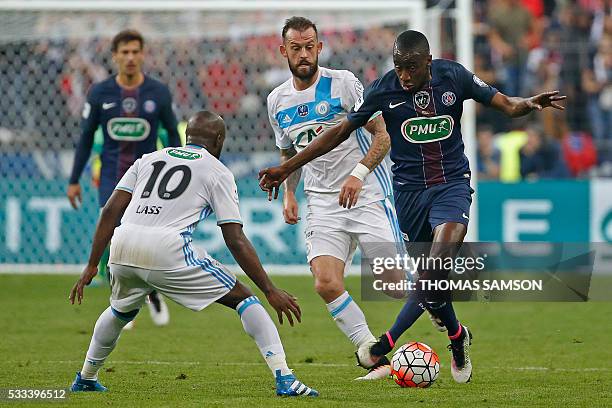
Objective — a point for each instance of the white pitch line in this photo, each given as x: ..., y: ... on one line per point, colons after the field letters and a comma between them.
x: 195, y: 363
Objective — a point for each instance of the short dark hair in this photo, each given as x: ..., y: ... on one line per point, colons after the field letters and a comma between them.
x: 299, y: 24
x: 413, y: 41
x: 126, y: 36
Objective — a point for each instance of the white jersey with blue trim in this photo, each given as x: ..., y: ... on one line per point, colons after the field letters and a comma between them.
x: 297, y: 117
x: 172, y: 190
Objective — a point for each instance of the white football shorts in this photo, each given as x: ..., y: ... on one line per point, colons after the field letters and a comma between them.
x: 337, y: 231
x: 193, y: 286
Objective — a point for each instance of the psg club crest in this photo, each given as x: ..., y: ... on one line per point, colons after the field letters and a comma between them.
x: 128, y: 105
x: 421, y: 99
x: 149, y: 106
x: 302, y: 111
x: 448, y: 98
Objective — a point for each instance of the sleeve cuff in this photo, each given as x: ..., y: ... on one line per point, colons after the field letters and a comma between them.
x: 229, y: 221
x: 129, y: 190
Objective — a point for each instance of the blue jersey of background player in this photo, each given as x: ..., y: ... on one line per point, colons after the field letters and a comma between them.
x: 421, y: 104
x: 128, y: 107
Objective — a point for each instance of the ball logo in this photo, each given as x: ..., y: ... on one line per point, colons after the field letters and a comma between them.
x: 448, y: 98
x: 322, y: 108
x: 149, y: 106
x: 421, y: 99
x: 302, y: 111
x: 128, y: 105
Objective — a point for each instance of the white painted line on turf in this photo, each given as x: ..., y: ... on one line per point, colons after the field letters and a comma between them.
x: 194, y: 363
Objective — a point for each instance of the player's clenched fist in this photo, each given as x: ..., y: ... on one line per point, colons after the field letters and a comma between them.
x: 290, y: 208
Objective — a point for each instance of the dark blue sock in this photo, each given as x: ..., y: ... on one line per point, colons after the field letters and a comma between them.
x: 409, y: 314
x: 445, y: 312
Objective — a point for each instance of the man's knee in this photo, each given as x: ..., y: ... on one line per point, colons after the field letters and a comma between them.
x: 329, y: 279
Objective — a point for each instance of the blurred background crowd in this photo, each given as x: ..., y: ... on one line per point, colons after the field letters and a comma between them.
x: 522, y: 47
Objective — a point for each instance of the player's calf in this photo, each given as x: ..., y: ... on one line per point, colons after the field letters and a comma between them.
x: 258, y: 324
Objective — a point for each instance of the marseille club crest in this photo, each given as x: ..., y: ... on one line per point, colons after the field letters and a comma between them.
x: 421, y: 99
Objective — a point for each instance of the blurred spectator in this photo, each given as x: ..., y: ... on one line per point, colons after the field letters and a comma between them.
x: 574, y: 46
x: 597, y: 84
x: 541, y: 157
x: 488, y: 155
x: 510, y: 26
x: 484, y: 115
x: 509, y: 145
x: 579, y: 153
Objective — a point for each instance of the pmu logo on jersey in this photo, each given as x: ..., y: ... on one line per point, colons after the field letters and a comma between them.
x: 426, y: 130
x: 421, y: 99
x: 302, y: 110
x: 128, y: 129
x: 182, y: 154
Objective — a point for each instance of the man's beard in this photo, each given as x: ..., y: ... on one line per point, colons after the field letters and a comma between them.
x: 312, y: 69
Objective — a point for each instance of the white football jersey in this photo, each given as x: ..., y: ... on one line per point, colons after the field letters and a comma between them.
x: 297, y: 117
x: 172, y: 190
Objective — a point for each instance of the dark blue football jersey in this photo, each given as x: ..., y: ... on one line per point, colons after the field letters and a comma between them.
x: 129, y: 119
x: 425, y: 126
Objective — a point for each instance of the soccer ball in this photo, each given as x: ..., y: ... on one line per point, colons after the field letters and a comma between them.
x: 415, y: 365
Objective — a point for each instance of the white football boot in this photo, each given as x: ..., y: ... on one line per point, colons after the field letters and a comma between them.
x: 436, y: 323
x: 158, y: 310
x: 461, y: 365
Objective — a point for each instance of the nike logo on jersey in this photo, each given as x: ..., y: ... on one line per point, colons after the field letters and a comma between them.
x: 395, y: 105
x: 106, y: 106
x: 465, y: 216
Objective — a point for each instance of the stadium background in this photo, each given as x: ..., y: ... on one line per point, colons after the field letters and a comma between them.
x: 542, y: 178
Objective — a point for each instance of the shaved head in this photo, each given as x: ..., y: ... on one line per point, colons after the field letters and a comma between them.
x: 206, y: 129
x: 410, y: 41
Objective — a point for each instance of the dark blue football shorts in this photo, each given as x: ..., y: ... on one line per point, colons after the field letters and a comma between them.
x: 420, y: 211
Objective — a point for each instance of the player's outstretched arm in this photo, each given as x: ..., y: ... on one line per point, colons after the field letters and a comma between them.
x: 244, y: 253
x: 515, y: 106
x: 290, y: 204
x: 381, y: 143
x: 271, y: 178
x: 111, y: 213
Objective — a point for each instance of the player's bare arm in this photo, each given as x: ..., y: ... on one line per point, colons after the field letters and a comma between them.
x: 381, y: 143
x: 243, y: 252
x: 111, y: 213
x: 271, y: 178
x: 515, y: 106
x: 290, y: 205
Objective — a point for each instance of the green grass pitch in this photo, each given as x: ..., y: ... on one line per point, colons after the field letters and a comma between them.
x: 524, y: 354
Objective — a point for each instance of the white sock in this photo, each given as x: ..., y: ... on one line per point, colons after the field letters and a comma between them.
x: 350, y: 319
x: 258, y: 324
x: 105, y: 335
